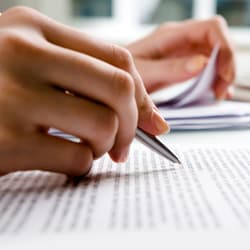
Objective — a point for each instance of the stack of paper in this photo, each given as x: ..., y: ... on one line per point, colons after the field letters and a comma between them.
x: 194, y: 106
x: 221, y: 115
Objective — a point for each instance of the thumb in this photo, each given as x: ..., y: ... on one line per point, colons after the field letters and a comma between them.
x: 150, y: 118
x: 153, y: 122
x: 165, y: 72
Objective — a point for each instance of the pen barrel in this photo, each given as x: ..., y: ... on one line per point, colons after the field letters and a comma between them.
x: 156, y: 145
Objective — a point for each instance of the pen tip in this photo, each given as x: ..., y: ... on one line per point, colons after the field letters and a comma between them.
x: 178, y: 161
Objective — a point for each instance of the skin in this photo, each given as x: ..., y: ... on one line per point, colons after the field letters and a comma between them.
x: 174, y: 53
x: 41, y: 61
x: 55, y: 76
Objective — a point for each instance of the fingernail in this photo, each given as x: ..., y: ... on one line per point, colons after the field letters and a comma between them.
x: 160, y: 123
x: 196, y: 63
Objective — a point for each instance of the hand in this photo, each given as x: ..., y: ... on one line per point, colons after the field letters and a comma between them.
x: 178, y: 51
x: 54, y: 76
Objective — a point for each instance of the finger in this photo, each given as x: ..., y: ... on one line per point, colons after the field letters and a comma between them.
x: 44, y: 152
x: 164, y: 72
x: 226, y: 73
x: 94, y: 79
x: 75, y: 40
x: 92, y: 122
x: 214, y: 31
x: 109, y: 85
x: 176, y: 39
x: 226, y: 61
x: 221, y: 89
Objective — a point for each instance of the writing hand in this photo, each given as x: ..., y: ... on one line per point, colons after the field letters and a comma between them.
x: 41, y: 61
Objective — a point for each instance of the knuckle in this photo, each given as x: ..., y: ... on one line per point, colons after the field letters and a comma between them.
x: 23, y: 49
x: 80, y: 161
x: 168, y: 26
x: 9, y: 41
x: 219, y: 21
x: 20, y: 11
x: 123, y: 84
x: 123, y: 57
x: 12, y: 44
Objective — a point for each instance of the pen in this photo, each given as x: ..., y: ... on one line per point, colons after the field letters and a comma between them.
x: 155, y: 144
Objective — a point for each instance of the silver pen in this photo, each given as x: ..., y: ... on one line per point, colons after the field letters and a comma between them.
x: 155, y: 144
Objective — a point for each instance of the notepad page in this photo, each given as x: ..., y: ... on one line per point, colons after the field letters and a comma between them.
x: 211, y: 190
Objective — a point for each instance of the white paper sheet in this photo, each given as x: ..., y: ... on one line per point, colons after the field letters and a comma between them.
x: 217, y: 115
x: 199, y: 89
x: 192, y: 106
x: 211, y: 190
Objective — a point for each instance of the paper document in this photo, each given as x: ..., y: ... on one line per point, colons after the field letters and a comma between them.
x: 199, y: 89
x: 211, y: 190
x: 192, y: 106
x: 226, y: 114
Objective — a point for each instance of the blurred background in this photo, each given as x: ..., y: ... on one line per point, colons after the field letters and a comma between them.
x: 122, y: 21
x: 134, y: 15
